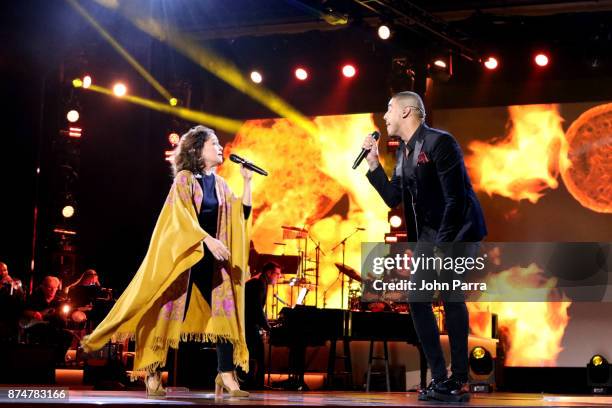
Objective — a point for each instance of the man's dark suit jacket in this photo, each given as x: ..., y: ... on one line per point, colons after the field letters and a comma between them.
x: 438, y: 194
x: 256, y: 290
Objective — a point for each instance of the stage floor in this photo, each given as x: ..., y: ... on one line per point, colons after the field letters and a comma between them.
x: 316, y: 399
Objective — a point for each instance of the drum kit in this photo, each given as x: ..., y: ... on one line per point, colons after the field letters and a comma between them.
x: 306, y: 271
x: 85, y: 306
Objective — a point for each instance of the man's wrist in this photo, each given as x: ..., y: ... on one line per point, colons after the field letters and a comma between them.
x: 374, y: 165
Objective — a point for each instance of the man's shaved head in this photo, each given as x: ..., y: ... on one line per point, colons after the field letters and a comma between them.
x: 407, y: 98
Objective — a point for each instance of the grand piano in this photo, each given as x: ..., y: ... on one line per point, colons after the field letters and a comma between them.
x: 303, y: 326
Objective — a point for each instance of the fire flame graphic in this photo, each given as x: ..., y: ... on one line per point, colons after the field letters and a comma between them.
x: 311, y: 184
x: 526, y: 161
x: 532, y: 330
x: 586, y: 159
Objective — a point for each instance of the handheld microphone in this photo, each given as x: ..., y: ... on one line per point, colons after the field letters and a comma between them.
x: 247, y: 164
x: 364, y: 152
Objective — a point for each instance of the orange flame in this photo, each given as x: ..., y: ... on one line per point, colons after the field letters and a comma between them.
x: 311, y: 184
x: 533, y: 330
x: 525, y: 162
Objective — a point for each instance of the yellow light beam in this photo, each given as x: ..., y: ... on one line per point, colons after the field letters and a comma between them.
x: 122, y: 51
x: 214, y: 121
x: 218, y: 66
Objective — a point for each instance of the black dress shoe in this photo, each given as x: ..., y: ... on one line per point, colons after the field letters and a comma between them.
x: 451, y: 390
x: 423, y: 392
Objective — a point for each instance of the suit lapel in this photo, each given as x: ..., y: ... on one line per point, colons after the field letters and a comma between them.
x: 420, y: 140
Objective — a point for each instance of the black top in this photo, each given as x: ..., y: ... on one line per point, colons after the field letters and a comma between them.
x: 256, y: 291
x: 209, y: 210
x: 50, y: 310
x: 38, y: 302
x: 210, y: 205
x: 408, y: 162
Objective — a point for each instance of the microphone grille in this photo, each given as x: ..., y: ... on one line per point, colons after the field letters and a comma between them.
x: 376, y: 135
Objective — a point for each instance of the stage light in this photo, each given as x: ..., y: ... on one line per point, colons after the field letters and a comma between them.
x: 441, y: 68
x: 390, y: 238
x: 301, y: 74
x: 72, y: 116
x: 62, y: 231
x: 384, y: 32
x: 66, y: 309
x: 86, y: 81
x: 75, y: 132
x: 599, y: 374
x: 68, y: 211
x: 395, y: 221
x: 541, y: 59
x: 440, y: 63
x: 256, y: 77
x: 77, y: 83
x: 597, y: 360
x: 349, y: 71
x: 173, y: 101
x: 491, y: 63
x: 478, y: 353
x: 174, y: 138
x: 119, y: 89
x: 481, y: 370
x: 393, y: 237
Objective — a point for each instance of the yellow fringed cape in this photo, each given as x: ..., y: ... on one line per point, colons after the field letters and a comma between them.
x: 152, y: 308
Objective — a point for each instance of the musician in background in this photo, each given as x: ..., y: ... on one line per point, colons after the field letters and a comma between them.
x: 85, y: 290
x: 256, y: 293
x: 42, y: 321
x: 11, y: 304
x: 4, y: 275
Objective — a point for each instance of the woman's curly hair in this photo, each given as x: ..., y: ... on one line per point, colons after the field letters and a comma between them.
x: 188, y: 152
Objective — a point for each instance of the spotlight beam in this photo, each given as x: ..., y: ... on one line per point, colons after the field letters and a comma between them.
x: 122, y: 51
x: 216, y: 65
x: 218, y: 122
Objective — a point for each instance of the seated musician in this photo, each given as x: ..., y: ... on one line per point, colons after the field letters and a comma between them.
x: 85, y: 290
x: 256, y: 290
x: 42, y: 320
x: 4, y: 274
x: 85, y: 295
x: 11, y: 299
x: 7, y: 283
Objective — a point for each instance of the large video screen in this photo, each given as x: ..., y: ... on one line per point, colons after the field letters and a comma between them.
x: 541, y: 172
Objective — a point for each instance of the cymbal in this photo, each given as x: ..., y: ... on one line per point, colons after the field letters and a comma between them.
x: 297, y: 282
x: 297, y: 229
x: 348, y: 271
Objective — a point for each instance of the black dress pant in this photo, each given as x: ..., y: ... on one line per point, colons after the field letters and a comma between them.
x: 257, y: 353
x: 456, y: 313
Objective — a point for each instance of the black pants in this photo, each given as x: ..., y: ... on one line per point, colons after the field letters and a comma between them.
x: 256, y: 375
x: 202, y: 276
x: 52, y: 335
x: 457, y: 318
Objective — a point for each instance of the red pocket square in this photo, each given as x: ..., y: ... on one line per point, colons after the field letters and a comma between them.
x: 422, y: 159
